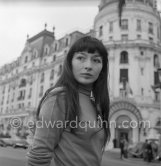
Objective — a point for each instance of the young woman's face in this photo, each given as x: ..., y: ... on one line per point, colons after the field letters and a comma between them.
x: 86, y: 67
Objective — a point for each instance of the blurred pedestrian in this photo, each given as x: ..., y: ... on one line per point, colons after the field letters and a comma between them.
x: 121, y: 147
x: 149, y: 152
x: 126, y: 144
x: 145, y: 150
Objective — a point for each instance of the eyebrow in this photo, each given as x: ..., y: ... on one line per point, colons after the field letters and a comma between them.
x: 95, y: 54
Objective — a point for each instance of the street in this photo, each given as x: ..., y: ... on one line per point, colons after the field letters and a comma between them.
x: 16, y: 157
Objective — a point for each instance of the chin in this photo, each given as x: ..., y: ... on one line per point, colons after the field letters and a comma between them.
x: 86, y: 82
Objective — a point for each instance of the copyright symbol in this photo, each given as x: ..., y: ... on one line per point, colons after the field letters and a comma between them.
x: 15, y: 122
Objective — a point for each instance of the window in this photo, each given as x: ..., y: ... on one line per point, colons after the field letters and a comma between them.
x: 138, y: 26
x: 141, y: 53
x: 13, y: 97
x: 151, y: 39
x: 110, y: 38
x: 123, y: 75
x: 156, y: 61
x: 124, y: 37
x: 142, y: 71
x: 21, y: 95
x: 124, y: 24
x: 101, y: 30
x: 66, y: 42
x: 150, y: 30
x: 22, y: 83
x: 157, y: 96
x: 156, y: 78
x: 35, y: 53
x: 60, y: 70
x: 23, y: 105
x: 54, y: 58
x: 142, y: 91
x: 26, y: 59
x: 124, y: 57
x: 158, y: 32
x: 41, y: 91
x: 46, y: 50
x: 56, y: 47
x: 30, y: 93
x: 3, y: 90
x: 29, y: 104
x: 52, y: 74
x: 111, y: 26
x: 42, y: 77
x: 138, y: 36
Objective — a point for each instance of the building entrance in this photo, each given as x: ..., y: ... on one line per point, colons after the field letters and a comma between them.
x: 122, y: 131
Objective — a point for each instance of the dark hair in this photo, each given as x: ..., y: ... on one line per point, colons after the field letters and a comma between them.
x: 100, y: 89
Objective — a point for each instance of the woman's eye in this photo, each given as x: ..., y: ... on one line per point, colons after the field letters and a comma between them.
x: 80, y: 58
x: 97, y: 60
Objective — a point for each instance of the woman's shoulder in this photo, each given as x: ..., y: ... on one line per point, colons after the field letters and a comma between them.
x: 57, y: 90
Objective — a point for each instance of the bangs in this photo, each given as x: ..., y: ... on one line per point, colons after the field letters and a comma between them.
x: 89, y: 44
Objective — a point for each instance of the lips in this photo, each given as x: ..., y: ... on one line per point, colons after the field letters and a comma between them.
x: 86, y: 74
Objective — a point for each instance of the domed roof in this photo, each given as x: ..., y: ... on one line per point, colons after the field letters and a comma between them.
x: 105, y: 2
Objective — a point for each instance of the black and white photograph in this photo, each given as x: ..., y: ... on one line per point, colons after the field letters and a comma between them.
x: 80, y: 82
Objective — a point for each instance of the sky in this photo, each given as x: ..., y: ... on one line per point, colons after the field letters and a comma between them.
x: 21, y: 17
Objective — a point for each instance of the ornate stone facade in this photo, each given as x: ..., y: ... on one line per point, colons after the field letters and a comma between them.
x: 134, y: 49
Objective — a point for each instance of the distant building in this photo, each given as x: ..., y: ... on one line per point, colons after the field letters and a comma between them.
x: 131, y: 32
x: 24, y: 81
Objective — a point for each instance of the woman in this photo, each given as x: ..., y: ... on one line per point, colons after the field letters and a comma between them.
x: 80, y: 102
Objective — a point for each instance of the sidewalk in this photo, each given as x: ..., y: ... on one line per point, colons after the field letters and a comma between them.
x: 115, y: 153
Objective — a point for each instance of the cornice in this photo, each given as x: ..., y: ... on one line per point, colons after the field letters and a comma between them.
x: 133, y: 44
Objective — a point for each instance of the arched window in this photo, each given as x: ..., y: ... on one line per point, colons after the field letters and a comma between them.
x: 124, y: 57
x: 35, y: 53
x: 56, y: 45
x: 156, y: 61
x: 46, y: 50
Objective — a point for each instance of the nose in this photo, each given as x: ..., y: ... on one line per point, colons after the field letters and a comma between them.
x: 88, y: 65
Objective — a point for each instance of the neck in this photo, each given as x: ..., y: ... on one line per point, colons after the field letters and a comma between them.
x: 85, y: 89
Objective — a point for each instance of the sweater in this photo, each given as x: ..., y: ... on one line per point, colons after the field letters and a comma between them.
x: 53, y: 139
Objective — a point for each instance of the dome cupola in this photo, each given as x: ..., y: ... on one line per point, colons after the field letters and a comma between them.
x: 104, y: 3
